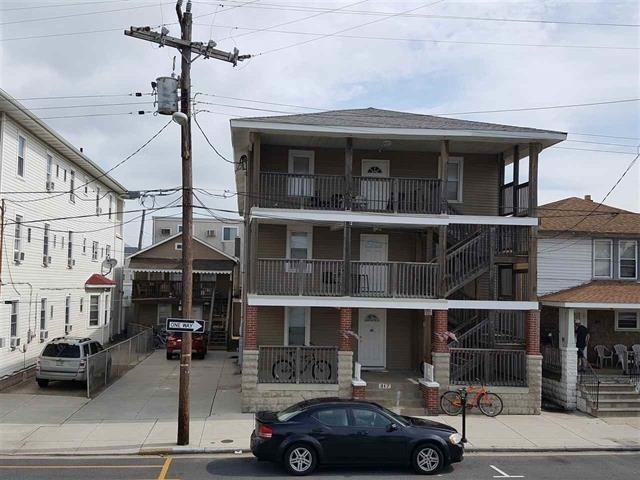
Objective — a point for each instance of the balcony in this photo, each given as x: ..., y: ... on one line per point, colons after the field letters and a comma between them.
x: 364, y: 194
x: 277, y: 276
x: 169, y: 289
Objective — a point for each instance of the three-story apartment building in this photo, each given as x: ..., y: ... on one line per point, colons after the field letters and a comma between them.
x: 62, y: 220
x: 370, y: 237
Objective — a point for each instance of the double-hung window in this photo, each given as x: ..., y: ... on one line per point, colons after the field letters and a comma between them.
x: 107, y: 309
x: 49, y: 185
x: 94, y: 251
x: 84, y: 246
x: 72, y: 187
x: 299, y: 241
x: 454, y: 179
x: 628, y: 259
x: 17, y: 240
x: 229, y: 233
x: 43, y: 314
x: 67, y: 310
x: 297, y: 325
x: 70, y: 250
x: 602, y: 258
x: 13, y: 319
x: 627, y: 320
x: 110, y: 206
x: 97, y: 200
x: 300, y: 183
x: 94, y: 310
x: 22, y: 146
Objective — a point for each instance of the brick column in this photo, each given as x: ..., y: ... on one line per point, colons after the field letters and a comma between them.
x: 359, y: 390
x: 439, y: 327
x: 251, y: 328
x: 344, y: 339
x: 431, y: 396
x: 533, y: 332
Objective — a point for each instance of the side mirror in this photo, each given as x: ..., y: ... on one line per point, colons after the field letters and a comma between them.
x: 392, y: 427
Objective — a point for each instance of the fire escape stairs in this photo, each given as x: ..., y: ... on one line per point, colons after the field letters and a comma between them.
x: 468, y: 258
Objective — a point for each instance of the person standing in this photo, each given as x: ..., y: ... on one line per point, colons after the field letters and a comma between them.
x: 582, y: 339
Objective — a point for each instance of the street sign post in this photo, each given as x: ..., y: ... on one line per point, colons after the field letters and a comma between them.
x: 185, y: 325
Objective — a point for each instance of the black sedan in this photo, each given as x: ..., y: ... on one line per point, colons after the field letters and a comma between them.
x: 350, y: 432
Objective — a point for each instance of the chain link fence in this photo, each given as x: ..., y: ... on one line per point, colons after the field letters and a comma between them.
x: 106, y: 366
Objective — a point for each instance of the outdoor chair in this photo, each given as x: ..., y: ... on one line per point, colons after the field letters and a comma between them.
x: 621, y: 352
x: 603, y: 354
x: 636, y: 354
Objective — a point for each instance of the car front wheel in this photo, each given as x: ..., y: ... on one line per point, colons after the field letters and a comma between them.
x: 300, y: 459
x: 428, y: 460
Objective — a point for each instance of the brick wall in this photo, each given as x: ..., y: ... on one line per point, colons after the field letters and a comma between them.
x: 602, y: 331
x: 533, y: 332
x: 440, y: 326
x: 345, y: 341
x: 251, y: 328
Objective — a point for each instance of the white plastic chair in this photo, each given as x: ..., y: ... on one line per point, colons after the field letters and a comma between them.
x: 603, y: 354
x: 621, y: 352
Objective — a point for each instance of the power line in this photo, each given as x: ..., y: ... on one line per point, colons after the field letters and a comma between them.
x: 547, y: 107
x: 90, y: 105
x: 100, y: 95
x: 87, y: 115
x: 57, y: 5
x: 195, y: 119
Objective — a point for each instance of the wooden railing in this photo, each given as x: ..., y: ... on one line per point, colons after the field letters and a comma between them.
x: 467, y: 260
x: 551, y: 361
x: 514, y: 199
x: 278, y: 364
x: 470, y: 366
x: 512, y: 240
x: 500, y: 328
x: 169, y: 289
x: 331, y: 192
x: 276, y: 276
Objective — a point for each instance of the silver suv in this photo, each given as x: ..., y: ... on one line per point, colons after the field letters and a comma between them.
x: 65, y: 358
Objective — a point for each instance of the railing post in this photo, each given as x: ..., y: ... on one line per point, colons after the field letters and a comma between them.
x: 396, y: 194
x: 298, y: 364
x: 394, y: 280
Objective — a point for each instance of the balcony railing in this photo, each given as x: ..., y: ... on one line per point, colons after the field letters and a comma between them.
x: 332, y: 192
x: 299, y: 364
x: 470, y: 366
x: 276, y: 276
x: 143, y: 289
x: 508, y: 199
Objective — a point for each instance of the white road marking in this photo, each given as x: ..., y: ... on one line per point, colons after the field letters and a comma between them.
x: 504, y: 474
x: 415, y: 382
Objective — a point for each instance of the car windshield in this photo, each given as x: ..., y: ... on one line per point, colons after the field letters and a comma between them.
x: 398, y: 418
x: 289, y: 412
x: 61, y: 350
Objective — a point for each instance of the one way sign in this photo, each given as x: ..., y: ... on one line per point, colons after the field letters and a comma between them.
x: 185, y: 325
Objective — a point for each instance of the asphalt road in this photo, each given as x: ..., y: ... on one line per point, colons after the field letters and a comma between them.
x: 201, y: 467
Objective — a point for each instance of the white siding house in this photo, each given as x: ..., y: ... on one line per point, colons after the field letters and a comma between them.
x: 62, y: 220
x: 217, y: 233
x: 563, y: 262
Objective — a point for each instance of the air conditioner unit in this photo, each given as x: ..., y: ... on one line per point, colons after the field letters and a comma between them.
x: 14, y: 342
x: 3, y: 342
x: 50, y: 186
x: 70, y: 262
x: 67, y: 329
x: 211, y: 233
x: 44, y: 334
x: 46, y: 260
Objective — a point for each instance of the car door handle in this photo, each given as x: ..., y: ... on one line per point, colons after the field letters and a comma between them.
x: 319, y: 430
x: 362, y: 432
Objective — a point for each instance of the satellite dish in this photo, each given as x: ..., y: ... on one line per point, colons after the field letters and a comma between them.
x: 107, y: 265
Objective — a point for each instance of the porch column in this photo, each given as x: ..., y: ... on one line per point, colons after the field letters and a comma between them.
x: 346, y: 258
x: 516, y: 180
x: 532, y: 272
x: 442, y: 262
x: 345, y: 340
x: 442, y: 174
x: 348, y: 173
x: 533, y: 332
x: 251, y: 328
x: 568, y: 359
x: 253, y: 179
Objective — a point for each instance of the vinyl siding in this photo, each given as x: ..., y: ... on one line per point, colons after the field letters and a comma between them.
x: 200, y: 228
x: 563, y: 262
x: 270, y: 326
x: 33, y: 281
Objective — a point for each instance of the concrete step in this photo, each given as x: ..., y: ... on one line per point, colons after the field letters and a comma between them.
x: 617, y: 412
x: 617, y: 387
x: 619, y: 396
x: 605, y: 403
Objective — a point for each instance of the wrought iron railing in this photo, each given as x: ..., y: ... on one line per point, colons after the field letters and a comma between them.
x: 490, y: 367
x: 551, y: 361
x: 397, y: 195
x: 589, y: 383
x: 293, y: 190
x: 279, y: 364
x: 500, y: 328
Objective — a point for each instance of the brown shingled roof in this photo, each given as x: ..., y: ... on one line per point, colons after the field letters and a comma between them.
x: 599, y: 291
x: 568, y: 215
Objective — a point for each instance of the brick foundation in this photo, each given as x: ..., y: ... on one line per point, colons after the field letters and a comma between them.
x: 440, y: 326
x: 251, y: 328
x: 431, y: 395
x: 345, y: 341
x: 533, y: 332
x: 358, y: 392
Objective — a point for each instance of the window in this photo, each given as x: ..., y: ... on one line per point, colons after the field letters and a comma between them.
x: 62, y: 242
x: 70, y: 250
x: 28, y: 235
x: 72, y: 187
x: 107, y: 309
x: 454, y: 179
x: 107, y: 251
x: 301, y: 165
x: 86, y: 186
x: 61, y: 350
x: 97, y: 200
x: 627, y: 320
x: 505, y: 282
x: 14, y: 319
x: 64, y: 174
x: 602, y: 258
x: 178, y: 246
x: 49, y: 171
x: 299, y: 241
x: 179, y: 228
x: 57, y: 171
x: 81, y: 304
x: 84, y: 246
x: 102, y: 252
x: 43, y: 314
x: 55, y: 239
x: 165, y: 231
x: 333, y: 417
x: 628, y: 258
x: 94, y: 251
x: 297, y: 322
x: 94, y: 310
x: 45, y: 245
x: 22, y: 143
x: 17, y: 239
x: 67, y: 310
x: 229, y: 233
x: 368, y: 418
x: 110, y: 206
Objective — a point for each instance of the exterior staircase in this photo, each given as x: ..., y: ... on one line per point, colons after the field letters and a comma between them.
x: 468, y: 259
x: 614, y: 399
x: 218, y: 334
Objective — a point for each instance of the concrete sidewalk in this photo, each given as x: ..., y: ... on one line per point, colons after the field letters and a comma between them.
x: 137, y: 414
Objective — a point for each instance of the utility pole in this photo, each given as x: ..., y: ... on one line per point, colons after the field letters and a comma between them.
x: 186, y: 47
x: 141, y: 230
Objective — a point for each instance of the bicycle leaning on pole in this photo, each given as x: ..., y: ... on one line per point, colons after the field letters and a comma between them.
x: 488, y: 403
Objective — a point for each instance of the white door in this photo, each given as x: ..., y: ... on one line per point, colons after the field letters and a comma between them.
x: 372, y: 330
x: 301, y: 184
x: 377, y: 191
x: 372, y: 275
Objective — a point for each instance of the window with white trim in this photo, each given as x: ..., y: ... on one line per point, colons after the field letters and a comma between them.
x: 165, y: 231
x: 94, y: 251
x: 45, y: 245
x: 107, y: 309
x: 97, y: 200
x: 17, y: 239
x: 94, y: 310
x: 110, y: 206
x: 628, y: 259
x: 72, y: 187
x: 178, y: 245
x: 49, y: 171
x: 229, y: 233
x: 67, y: 310
x: 22, y: 147
x: 602, y: 258
x: 43, y: 314
x: 454, y: 179
x: 627, y: 320
x: 70, y: 250
x: 299, y: 241
x: 13, y: 322
x: 297, y: 325
x: 84, y: 246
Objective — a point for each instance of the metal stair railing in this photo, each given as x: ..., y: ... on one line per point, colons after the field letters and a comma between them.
x: 468, y: 260
x: 589, y: 383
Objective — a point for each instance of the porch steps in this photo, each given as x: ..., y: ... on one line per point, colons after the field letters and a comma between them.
x: 616, y: 399
x: 403, y: 397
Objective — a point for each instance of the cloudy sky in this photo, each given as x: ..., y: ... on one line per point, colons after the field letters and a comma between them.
x: 402, y: 55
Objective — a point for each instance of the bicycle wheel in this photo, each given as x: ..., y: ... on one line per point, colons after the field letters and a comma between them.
x: 321, y: 370
x: 282, y: 370
x: 451, y: 403
x: 490, y: 404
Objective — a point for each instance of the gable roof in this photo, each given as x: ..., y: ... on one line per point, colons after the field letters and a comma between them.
x: 378, y: 118
x: 195, y: 239
x: 580, y: 215
x: 598, y: 292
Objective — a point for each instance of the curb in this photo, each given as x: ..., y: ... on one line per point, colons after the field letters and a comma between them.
x: 551, y: 450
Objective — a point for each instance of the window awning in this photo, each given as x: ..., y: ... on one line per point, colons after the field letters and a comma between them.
x: 99, y: 281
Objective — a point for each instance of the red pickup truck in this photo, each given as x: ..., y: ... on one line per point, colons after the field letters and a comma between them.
x: 199, y: 343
